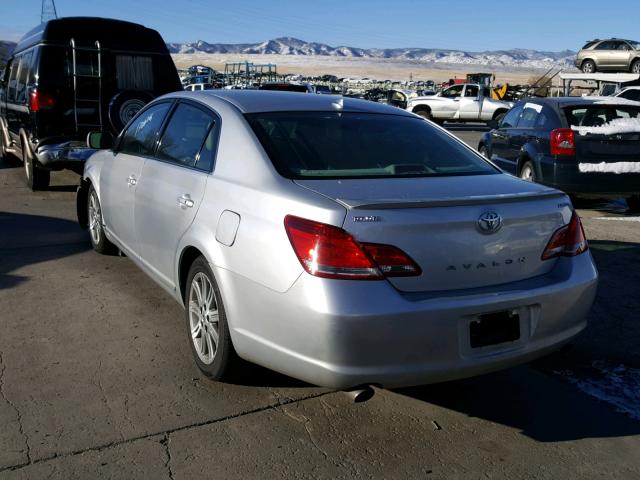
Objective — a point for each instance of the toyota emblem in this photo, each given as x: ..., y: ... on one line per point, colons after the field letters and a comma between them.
x: 489, y: 222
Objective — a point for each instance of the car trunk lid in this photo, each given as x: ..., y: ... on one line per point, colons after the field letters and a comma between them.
x: 436, y: 221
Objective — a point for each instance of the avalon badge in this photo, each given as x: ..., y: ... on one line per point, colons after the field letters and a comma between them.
x: 489, y: 222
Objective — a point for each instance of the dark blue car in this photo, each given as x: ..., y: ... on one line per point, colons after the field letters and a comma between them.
x: 586, y: 146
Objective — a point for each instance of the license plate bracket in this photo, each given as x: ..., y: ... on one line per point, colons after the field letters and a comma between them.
x: 494, y: 328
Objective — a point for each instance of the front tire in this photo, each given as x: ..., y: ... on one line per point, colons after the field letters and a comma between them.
x: 483, y: 151
x: 588, y: 66
x: 527, y: 172
x: 635, y: 66
x: 37, y: 178
x: 206, y: 322
x: 99, y: 240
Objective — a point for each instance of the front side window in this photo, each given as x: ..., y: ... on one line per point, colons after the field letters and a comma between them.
x: 510, y: 120
x: 185, y: 135
x: 452, y: 92
x: 324, y: 145
x: 141, y: 135
x: 529, y: 115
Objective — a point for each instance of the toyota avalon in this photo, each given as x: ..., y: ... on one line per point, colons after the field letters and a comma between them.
x: 335, y: 240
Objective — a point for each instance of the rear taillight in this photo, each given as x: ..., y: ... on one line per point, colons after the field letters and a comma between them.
x: 330, y: 252
x: 567, y: 241
x: 40, y: 101
x: 563, y: 142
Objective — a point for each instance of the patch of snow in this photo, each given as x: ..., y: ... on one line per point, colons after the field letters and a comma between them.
x: 616, y: 384
x: 612, y: 167
x: 621, y: 219
x: 617, y: 125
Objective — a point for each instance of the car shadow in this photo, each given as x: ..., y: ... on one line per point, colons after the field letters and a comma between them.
x: 538, y: 401
x: 29, y: 239
x: 252, y: 375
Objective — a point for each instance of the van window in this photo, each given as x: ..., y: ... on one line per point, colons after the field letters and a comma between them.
x: 13, y: 79
x: 134, y: 72
x: 54, y: 67
x: 23, y: 77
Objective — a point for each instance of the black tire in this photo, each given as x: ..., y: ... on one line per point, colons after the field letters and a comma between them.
x: 635, y: 66
x: 124, y: 106
x: 37, y: 178
x: 482, y: 150
x: 224, y: 361
x: 527, y: 172
x: 499, y: 116
x: 424, y: 113
x: 99, y: 241
x: 588, y: 66
x: 634, y: 203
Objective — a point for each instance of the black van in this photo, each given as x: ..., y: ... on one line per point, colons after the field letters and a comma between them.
x: 74, y: 75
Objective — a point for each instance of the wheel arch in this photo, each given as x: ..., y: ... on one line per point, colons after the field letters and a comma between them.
x: 588, y: 59
x: 82, y: 196
x: 421, y: 107
x: 499, y: 111
x: 188, y: 255
x: 524, y: 157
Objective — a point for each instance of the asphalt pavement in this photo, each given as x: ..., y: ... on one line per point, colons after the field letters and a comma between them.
x: 97, y: 380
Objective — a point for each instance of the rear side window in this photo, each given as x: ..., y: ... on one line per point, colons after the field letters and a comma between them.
x: 510, y: 120
x: 140, y: 137
x: 185, y: 135
x: 23, y: 77
x: 361, y: 145
x: 589, y: 44
x: 54, y: 68
x: 13, y: 80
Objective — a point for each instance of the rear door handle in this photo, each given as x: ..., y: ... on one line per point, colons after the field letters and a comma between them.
x: 184, y: 201
x: 131, y: 181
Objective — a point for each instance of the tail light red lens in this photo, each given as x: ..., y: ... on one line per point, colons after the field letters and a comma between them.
x: 330, y: 252
x: 567, y: 241
x: 563, y: 142
x: 40, y: 101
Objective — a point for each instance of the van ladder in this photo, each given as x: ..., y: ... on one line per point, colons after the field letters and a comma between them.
x: 87, y: 108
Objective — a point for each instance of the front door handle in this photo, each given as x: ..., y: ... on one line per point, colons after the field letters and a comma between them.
x: 184, y: 201
x: 131, y: 181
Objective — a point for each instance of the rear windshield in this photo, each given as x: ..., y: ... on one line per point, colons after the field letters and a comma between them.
x: 284, y: 87
x: 599, y: 115
x: 361, y: 145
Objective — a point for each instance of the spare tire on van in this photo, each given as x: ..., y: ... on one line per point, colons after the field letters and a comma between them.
x: 124, y: 106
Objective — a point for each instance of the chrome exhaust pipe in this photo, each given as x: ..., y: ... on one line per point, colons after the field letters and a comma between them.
x: 360, y: 394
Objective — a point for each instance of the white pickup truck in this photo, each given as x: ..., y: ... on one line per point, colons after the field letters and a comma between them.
x: 466, y: 102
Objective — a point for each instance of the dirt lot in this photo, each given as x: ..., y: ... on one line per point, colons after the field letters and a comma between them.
x: 96, y: 379
x: 380, y: 69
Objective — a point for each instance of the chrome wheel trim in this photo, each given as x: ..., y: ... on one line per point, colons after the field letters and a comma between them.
x: 95, y: 218
x: 26, y: 162
x: 636, y: 67
x: 587, y: 67
x: 204, y: 318
x: 526, y: 173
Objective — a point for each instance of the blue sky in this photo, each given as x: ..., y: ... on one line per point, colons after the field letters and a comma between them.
x: 462, y: 24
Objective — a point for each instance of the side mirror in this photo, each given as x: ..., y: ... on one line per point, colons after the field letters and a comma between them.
x: 99, y: 140
x: 493, y: 124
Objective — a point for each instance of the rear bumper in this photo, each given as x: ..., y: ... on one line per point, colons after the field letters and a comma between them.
x: 68, y: 155
x: 341, y: 334
x: 565, y: 175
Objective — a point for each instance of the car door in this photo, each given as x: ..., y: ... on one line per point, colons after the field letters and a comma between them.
x: 603, y: 53
x: 501, y: 152
x: 524, y: 131
x: 620, y: 54
x: 120, y: 176
x: 448, y: 108
x: 172, y: 186
x: 470, y: 103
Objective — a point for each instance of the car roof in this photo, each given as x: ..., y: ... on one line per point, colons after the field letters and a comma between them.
x: 560, y: 102
x: 256, y: 101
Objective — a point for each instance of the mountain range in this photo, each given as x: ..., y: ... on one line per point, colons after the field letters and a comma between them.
x: 521, y: 58
x: 518, y: 58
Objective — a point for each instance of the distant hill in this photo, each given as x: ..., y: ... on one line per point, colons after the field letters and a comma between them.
x: 5, y: 51
x: 292, y: 46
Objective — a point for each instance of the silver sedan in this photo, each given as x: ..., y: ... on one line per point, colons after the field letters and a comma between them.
x: 338, y: 241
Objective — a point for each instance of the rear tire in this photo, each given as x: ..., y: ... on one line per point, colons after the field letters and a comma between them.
x: 206, y: 324
x: 483, y: 151
x: 37, y: 178
x: 527, y: 172
x: 498, y: 117
x: 634, y: 203
x: 99, y: 240
x: 424, y: 113
x: 635, y: 66
x: 588, y: 66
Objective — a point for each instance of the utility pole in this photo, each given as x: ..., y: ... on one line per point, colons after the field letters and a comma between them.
x: 48, y: 11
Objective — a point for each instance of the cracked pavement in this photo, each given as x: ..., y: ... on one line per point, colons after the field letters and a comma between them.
x: 97, y: 381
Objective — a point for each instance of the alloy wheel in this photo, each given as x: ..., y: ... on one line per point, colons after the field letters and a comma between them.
x: 526, y: 173
x: 95, y: 218
x: 204, y: 318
